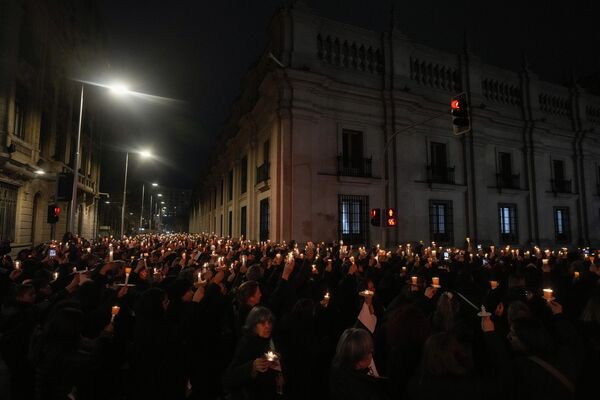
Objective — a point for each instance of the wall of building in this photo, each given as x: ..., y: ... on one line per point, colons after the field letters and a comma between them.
x: 342, y: 77
x: 39, y: 54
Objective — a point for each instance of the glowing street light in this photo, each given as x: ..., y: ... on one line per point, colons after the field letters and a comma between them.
x: 155, y: 184
x: 119, y: 89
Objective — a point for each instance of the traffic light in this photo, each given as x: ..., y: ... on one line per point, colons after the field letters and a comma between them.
x: 376, y: 216
x: 64, y: 187
x: 53, y: 212
x: 461, y: 122
x: 390, y: 217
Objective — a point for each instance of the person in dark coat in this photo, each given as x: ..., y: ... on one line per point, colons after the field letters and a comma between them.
x: 255, y: 371
x: 352, y: 376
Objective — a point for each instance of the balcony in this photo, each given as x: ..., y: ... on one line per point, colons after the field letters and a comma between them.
x: 440, y: 174
x: 561, y: 186
x: 360, y: 167
x: 262, y: 173
x: 508, y: 181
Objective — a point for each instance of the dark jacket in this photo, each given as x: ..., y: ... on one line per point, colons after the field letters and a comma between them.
x: 238, y: 377
x: 355, y: 385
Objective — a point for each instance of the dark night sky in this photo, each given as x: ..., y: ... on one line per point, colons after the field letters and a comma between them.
x: 197, y: 51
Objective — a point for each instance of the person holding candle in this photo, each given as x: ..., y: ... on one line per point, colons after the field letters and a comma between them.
x: 251, y: 375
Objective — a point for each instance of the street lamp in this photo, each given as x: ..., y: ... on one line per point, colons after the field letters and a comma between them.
x: 119, y: 89
x: 146, y: 155
x: 143, y: 154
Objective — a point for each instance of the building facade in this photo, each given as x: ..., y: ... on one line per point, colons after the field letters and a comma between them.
x: 43, y: 45
x: 343, y: 119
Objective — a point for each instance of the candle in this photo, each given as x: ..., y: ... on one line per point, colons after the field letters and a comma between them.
x: 435, y: 281
x: 199, y: 276
x: 433, y: 253
x: 403, y: 269
x: 110, y: 256
x: 326, y: 297
x: 576, y: 274
x: 17, y: 264
x: 89, y: 250
x: 548, y: 294
x: 271, y: 356
x: 127, y: 272
x: 367, y: 292
x: 545, y: 261
x: 413, y: 280
x: 74, y: 270
x: 314, y: 268
x: 114, y: 311
x: 54, y: 275
x: 493, y: 284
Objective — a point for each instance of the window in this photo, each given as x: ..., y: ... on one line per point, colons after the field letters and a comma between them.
x: 505, y: 163
x: 352, y: 148
x: 243, y: 217
x: 438, y: 170
x: 244, y: 175
x: 558, y: 167
x: 264, y: 220
x: 352, y: 217
x: 19, y: 128
x: 562, y: 226
x: 230, y: 224
x: 8, y: 211
x: 230, y: 185
x: 266, y: 151
x: 441, y: 228
x: 352, y: 161
x: 507, y: 214
x: 439, y: 157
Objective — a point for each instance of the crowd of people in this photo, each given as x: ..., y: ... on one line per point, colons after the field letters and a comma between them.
x: 202, y: 317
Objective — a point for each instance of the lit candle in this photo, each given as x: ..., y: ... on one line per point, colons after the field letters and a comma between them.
x: 17, y: 264
x: 74, y: 270
x: 271, y: 356
x: 576, y: 274
x: 314, y: 268
x: 493, y: 284
x: 433, y: 253
x: 114, y: 312
x: 548, y: 294
x: 403, y: 269
x: 413, y: 280
x: 326, y: 297
x: 545, y: 261
x: 435, y: 281
x: 127, y: 272
x: 367, y: 292
x: 110, y: 256
x: 54, y: 275
x: 89, y: 250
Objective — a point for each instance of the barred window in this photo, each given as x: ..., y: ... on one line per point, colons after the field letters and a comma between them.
x: 264, y: 220
x: 352, y: 217
x: 562, y: 225
x: 507, y: 214
x: 8, y: 211
x: 441, y: 226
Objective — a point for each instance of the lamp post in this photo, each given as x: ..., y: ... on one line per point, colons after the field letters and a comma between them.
x: 118, y: 89
x: 142, y: 208
x: 154, y: 185
x: 143, y: 154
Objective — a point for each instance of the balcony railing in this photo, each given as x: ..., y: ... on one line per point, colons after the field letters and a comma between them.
x: 262, y: 173
x: 561, y: 186
x: 438, y: 174
x: 508, y: 181
x: 354, y: 166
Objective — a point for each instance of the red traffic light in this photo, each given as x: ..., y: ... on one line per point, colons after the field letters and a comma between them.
x: 56, y: 211
x: 455, y: 104
x: 376, y: 216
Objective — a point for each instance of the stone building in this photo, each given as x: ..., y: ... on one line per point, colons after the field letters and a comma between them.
x: 304, y: 155
x: 43, y: 45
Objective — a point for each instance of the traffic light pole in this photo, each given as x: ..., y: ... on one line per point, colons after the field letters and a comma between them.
x: 383, y: 158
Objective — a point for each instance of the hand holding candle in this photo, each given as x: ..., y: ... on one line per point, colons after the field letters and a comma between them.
x: 114, y: 312
x: 548, y: 294
x: 435, y: 282
x: 127, y: 272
